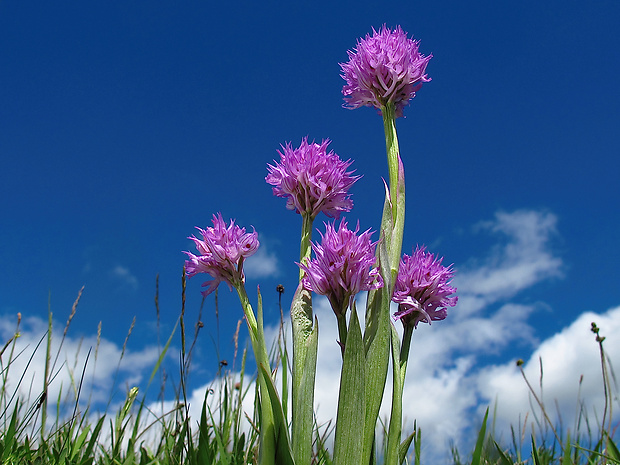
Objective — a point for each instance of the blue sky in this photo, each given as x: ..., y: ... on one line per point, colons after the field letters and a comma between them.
x: 125, y: 125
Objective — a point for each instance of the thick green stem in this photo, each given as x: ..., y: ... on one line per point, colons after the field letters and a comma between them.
x: 394, y: 246
x: 391, y: 146
x: 306, y: 236
x: 305, y: 340
x: 396, y: 189
x: 399, y: 360
x: 377, y: 332
x: 267, y: 423
x: 405, y: 346
x: 342, y: 330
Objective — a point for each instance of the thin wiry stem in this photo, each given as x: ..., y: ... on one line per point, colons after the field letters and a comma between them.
x: 538, y: 401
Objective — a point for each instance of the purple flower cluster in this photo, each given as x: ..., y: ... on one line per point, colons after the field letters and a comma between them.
x: 384, y: 68
x: 312, y: 180
x: 342, y: 266
x: 222, y: 250
x: 422, y: 289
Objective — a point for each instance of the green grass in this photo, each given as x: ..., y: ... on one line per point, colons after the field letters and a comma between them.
x: 73, y: 433
x: 587, y: 444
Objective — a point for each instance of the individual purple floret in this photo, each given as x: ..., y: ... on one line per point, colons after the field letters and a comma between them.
x: 222, y: 250
x: 386, y: 67
x: 312, y: 180
x: 342, y: 266
x: 422, y: 289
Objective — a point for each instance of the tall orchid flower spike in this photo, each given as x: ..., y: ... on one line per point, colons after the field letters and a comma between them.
x: 384, y: 68
x: 312, y: 180
x: 221, y: 253
x: 423, y: 291
x: 342, y: 266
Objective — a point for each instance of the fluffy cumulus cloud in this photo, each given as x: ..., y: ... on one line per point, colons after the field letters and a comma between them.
x: 521, y: 258
x: 447, y: 387
x: 449, y: 380
x: 93, y: 361
x: 567, y: 364
x: 262, y: 264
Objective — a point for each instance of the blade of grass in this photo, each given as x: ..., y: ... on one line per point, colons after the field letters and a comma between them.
x: 284, y: 455
x: 612, y: 449
x: 476, y: 458
x: 504, y: 459
x: 404, y: 447
x: 535, y: 456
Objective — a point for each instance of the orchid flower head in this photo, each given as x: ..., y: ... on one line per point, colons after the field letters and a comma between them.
x: 386, y: 67
x: 221, y: 252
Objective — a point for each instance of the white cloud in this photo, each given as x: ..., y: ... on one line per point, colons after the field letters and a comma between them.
x: 68, y: 360
x: 447, y: 388
x: 572, y: 370
x: 262, y: 264
x: 522, y: 259
x: 443, y: 383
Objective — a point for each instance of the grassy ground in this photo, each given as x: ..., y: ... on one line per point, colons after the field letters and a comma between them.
x: 224, y: 434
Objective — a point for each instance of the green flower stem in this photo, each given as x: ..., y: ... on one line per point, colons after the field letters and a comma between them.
x: 377, y: 332
x: 399, y: 371
x: 306, y: 236
x: 391, y: 146
x: 394, y: 246
x: 396, y: 189
x: 342, y: 329
x: 305, y: 340
x: 406, y: 344
x: 257, y: 337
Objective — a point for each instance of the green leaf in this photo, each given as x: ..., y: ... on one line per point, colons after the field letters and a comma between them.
x: 305, y: 346
x: 268, y: 428
x: 595, y: 453
x: 566, y: 458
x: 374, y: 303
x: 93, y: 438
x: 417, y: 445
x: 505, y: 460
x: 9, y: 437
x: 283, y: 453
x: 535, y: 452
x: 219, y: 444
x: 304, y: 411
x: 612, y: 450
x: 349, y: 437
x: 204, y: 453
x: 404, y: 448
x: 377, y: 344
x: 77, y: 445
x: 476, y: 459
x: 399, y: 223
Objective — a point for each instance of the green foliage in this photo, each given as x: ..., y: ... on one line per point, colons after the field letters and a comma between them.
x: 548, y: 445
x: 348, y: 445
x: 83, y: 439
x: 219, y: 437
x: 476, y: 458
